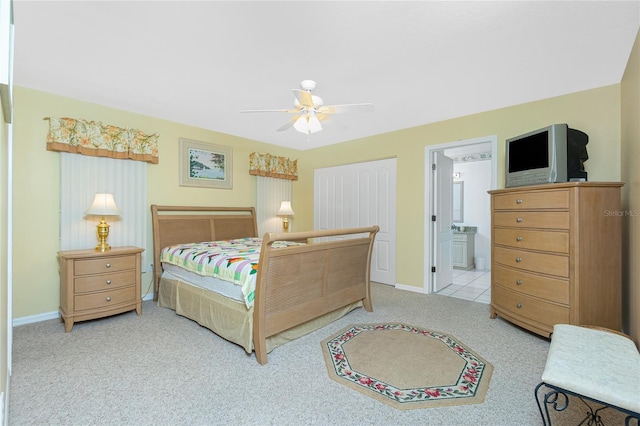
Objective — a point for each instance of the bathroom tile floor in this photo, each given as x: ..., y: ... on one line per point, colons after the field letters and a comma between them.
x: 472, y: 285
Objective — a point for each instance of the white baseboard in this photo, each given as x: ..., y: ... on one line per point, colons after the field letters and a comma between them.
x: 50, y: 315
x: 35, y: 318
x: 410, y: 288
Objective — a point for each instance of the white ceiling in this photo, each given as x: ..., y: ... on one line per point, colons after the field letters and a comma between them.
x: 202, y: 62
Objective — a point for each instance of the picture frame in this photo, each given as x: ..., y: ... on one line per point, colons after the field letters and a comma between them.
x: 205, y: 165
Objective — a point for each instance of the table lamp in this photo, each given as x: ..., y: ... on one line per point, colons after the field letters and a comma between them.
x: 286, y: 211
x: 103, y: 205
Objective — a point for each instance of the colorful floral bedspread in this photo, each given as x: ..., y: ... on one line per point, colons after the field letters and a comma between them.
x: 235, y: 261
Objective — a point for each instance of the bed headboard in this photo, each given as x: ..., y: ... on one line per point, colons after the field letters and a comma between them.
x: 184, y: 224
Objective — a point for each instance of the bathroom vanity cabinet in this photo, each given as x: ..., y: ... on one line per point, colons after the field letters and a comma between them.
x: 463, y: 249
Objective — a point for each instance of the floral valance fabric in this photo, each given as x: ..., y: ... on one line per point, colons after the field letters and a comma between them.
x: 272, y: 166
x: 100, y: 140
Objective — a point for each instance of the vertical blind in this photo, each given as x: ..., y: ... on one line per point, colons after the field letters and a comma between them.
x: 81, y: 177
x: 271, y: 192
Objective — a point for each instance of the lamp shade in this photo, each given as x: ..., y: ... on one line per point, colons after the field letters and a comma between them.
x: 308, y: 123
x: 285, y: 209
x: 103, y: 205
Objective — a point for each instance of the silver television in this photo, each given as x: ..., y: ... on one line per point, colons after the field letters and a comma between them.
x: 552, y: 154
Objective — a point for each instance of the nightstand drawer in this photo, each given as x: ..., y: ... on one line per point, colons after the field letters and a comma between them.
x: 105, y: 299
x: 549, y: 264
x: 104, y: 281
x: 557, y: 199
x: 530, y: 307
x: 96, y: 284
x: 555, y: 241
x: 110, y: 264
x: 553, y: 289
x: 545, y: 220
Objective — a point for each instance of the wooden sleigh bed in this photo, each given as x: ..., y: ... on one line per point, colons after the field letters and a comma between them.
x: 298, y: 288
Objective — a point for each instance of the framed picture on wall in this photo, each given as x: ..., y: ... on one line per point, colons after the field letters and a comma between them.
x: 205, y: 165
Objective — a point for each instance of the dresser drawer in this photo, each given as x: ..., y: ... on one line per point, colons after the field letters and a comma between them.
x: 529, y: 307
x: 555, y: 241
x: 549, y: 264
x: 553, y: 289
x: 105, y: 299
x: 554, y: 199
x: 100, y: 265
x: 104, y: 281
x: 528, y: 219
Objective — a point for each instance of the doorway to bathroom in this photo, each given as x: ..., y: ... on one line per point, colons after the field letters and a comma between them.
x: 459, y: 268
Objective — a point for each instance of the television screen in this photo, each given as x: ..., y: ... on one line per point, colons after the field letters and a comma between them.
x: 531, y: 152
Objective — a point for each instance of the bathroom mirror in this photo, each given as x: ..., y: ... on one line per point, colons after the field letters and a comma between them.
x: 458, y: 202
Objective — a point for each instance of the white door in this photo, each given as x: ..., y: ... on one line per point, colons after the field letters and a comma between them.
x: 362, y: 194
x: 443, y: 215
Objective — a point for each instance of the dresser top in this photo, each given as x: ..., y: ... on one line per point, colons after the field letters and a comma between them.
x: 89, y: 253
x: 559, y: 185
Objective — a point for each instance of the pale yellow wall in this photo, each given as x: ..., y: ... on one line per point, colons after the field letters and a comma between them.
x: 36, y: 185
x: 631, y: 200
x: 596, y: 112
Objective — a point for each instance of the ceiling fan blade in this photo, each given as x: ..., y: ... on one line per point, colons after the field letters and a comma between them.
x: 330, y: 122
x: 347, y: 108
x: 293, y: 111
x: 304, y: 98
x: 288, y: 124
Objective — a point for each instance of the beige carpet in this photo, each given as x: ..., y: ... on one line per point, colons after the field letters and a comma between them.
x: 407, y: 367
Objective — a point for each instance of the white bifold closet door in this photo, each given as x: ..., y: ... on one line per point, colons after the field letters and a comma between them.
x: 361, y: 194
x: 81, y: 177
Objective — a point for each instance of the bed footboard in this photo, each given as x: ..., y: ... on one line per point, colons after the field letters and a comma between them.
x: 299, y: 283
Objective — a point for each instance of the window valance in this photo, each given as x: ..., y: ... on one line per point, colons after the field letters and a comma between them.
x: 273, y: 166
x: 99, y: 140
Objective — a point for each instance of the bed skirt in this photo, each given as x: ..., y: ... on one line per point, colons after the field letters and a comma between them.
x: 231, y: 319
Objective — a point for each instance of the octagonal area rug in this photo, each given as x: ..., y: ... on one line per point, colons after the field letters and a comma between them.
x: 407, y: 367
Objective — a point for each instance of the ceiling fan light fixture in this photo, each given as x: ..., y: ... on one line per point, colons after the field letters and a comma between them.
x: 310, y: 110
x: 301, y: 125
x: 307, y: 124
x: 314, y: 124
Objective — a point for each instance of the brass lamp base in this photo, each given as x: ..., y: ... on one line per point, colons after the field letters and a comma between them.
x: 285, y: 224
x: 102, y: 231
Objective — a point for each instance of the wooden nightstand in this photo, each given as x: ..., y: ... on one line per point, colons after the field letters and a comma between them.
x: 97, y: 284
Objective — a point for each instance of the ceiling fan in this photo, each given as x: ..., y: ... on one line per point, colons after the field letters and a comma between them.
x: 310, y: 110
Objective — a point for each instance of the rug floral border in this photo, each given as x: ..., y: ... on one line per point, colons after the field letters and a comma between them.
x: 467, y: 385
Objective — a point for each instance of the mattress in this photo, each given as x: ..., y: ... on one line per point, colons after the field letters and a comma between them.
x: 222, y: 287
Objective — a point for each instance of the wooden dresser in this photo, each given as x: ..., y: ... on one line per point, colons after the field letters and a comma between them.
x: 97, y: 284
x: 556, y: 255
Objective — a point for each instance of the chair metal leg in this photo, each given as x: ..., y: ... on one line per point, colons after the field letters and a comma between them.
x: 558, y: 398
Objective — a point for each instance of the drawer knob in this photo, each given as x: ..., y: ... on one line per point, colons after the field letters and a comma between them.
x: 518, y: 282
x: 519, y: 305
x: 518, y: 238
x: 519, y: 201
x: 108, y: 282
x: 519, y: 219
x: 518, y: 259
x: 108, y: 265
x: 108, y: 299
